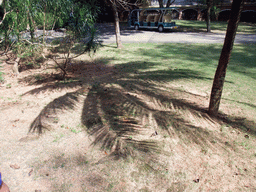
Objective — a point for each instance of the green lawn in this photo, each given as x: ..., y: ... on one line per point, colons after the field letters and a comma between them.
x: 191, y: 67
x: 186, y: 25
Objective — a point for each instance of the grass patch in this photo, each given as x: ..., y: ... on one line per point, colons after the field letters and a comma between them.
x: 190, y: 67
x: 197, y: 26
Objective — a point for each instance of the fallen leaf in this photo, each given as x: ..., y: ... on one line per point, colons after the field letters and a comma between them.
x: 30, y: 172
x: 196, y: 180
x: 154, y: 134
x: 15, y: 166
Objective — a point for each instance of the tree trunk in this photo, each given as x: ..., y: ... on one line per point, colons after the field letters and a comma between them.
x: 5, y: 13
x: 31, y: 28
x: 117, y: 27
x: 6, y: 41
x: 208, y: 15
x: 18, y: 22
x: 44, y: 24
x: 161, y: 3
x: 224, y: 57
x: 169, y: 2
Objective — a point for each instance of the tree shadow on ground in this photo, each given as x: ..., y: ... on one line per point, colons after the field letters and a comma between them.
x: 128, y: 112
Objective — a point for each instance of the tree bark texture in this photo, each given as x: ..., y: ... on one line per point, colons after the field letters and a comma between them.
x: 225, y: 57
x: 117, y: 27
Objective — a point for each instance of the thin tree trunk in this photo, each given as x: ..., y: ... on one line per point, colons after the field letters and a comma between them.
x: 208, y: 16
x: 54, y: 24
x: 31, y: 28
x: 18, y: 23
x: 54, y: 21
x: 161, y: 3
x: 225, y: 57
x: 117, y: 27
x: 169, y: 3
x: 5, y: 13
x: 6, y: 41
x: 44, y: 24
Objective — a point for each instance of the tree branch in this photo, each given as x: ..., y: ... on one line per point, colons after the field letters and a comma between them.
x: 5, y: 13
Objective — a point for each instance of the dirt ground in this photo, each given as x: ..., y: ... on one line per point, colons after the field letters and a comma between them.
x: 198, y: 152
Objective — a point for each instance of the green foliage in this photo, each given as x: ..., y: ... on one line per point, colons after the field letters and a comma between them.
x: 80, y: 36
x: 30, y: 54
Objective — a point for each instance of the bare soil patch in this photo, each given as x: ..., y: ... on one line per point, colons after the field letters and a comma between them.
x: 167, y: 141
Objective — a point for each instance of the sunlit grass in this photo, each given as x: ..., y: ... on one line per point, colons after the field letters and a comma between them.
x: 186, y: 25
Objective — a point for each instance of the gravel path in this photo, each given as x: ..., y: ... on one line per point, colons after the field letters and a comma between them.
x: 107, y: 35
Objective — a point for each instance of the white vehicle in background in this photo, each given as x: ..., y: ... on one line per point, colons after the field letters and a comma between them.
x: 152, y: 18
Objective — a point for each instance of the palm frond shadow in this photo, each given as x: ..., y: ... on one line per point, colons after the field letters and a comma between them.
x: 128, y: 115
x: 106, y: 119
x: 124, y: 119
x: 48, y: 113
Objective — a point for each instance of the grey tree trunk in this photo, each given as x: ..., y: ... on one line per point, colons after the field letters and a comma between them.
x: 117, y: 27
x: 208, y: 14
x: 225, y: 57
x: 208, y: 20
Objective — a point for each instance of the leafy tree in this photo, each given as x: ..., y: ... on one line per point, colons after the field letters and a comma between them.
x: 18, y: 14
x: 211, y: 7
x: 6, y: 23
x: 80, y: 36
x: 56, y: 9
x: 225, y: 57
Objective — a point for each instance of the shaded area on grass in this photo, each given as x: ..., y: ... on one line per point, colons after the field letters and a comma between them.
x: 125, y: 112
